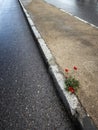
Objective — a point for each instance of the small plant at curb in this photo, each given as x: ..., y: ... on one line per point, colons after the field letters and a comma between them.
x: 71, y: 83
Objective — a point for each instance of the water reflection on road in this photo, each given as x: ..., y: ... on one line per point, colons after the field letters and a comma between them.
x: 85, y: 9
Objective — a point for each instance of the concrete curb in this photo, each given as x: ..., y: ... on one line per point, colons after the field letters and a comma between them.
x: 71, y: 102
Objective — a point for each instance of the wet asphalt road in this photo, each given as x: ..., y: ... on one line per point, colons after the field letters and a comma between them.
x: 84, y: 9
x: 28, y: 100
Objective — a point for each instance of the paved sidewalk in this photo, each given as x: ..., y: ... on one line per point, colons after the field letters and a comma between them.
x: 72, y: 42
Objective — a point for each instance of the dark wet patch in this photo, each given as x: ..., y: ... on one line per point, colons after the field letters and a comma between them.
x: 85, y: 42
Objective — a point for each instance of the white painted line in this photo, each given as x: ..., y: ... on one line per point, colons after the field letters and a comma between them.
x: 96, y: 27
x: 63, y: 10
x: 70, y: 14
x: 66, y: 12
x: 92, y: 25
x: 80, y: 19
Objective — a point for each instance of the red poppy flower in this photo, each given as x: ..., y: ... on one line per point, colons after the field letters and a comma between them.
x: 71, y: 89
x: 66, y: 70
x: 75, y: 68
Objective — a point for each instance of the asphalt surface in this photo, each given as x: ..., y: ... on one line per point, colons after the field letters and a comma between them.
x: 28, y: 100
x: 84, y: 9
